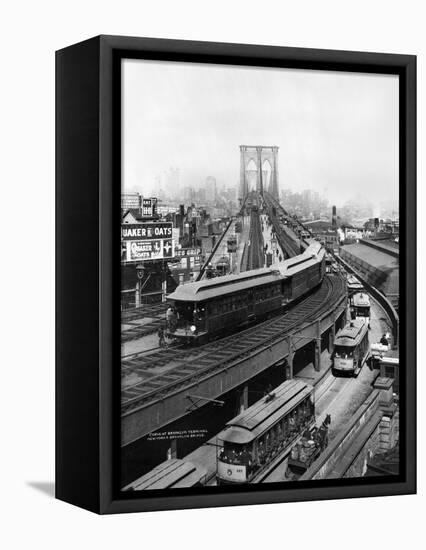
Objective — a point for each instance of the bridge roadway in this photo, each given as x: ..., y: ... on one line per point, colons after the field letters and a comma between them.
x: 288, y: 239
x: 253, y: 256
x: 157, y: 388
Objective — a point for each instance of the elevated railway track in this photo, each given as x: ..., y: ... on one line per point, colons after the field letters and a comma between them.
x: 253, y: 256
x: 288, y: 239
x: 167, y: 378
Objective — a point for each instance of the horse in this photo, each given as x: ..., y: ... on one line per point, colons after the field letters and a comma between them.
x: 320, y: 435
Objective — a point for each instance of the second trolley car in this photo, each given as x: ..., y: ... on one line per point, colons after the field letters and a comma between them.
x: 351, y: 348
x: 360, y: 306
x: 354, y: 285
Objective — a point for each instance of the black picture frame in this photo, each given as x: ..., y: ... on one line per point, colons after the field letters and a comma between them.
x: 87, y: 269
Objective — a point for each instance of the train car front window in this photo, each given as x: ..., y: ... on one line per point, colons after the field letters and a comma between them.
x: 236, y: 454
x: 344, y: 352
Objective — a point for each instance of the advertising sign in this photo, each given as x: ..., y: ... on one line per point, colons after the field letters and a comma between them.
x: 232, y: 244
x: 149, y: 250
x: 149, y: 207
x: 146, y: 231
x: 188, y: 252
x: 147, y: 241
x: 231, y: 472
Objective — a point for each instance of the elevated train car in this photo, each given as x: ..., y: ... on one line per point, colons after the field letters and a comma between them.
x: 171, y: 474
x: 257, y: 440
x: 351, y: 348
x: 206, y: 309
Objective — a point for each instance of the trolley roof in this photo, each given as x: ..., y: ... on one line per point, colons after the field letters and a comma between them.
x: 361, y: 299
x: 171, y: 473
x: 258, y: 418
x: 353, y: 282
x: 351, y: 334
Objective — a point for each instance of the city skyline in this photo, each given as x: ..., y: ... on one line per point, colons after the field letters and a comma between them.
x: 335, y: 131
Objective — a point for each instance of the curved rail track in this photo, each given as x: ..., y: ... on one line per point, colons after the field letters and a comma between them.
x: 189, y: 366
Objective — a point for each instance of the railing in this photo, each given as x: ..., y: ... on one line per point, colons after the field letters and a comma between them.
x: 378, y: 296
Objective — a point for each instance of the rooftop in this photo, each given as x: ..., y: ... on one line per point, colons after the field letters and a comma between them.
x: 373, y: 256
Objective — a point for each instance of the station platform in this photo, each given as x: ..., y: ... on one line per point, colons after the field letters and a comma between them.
x: 278, y: 254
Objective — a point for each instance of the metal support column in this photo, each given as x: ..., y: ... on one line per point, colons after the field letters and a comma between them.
x: 290, y: 357
x: 138, y: 293
x: 331, y: 336
x: 317, y: 358
x: 244, y: 399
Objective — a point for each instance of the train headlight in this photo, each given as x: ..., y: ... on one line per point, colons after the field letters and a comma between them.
x: 193, y: 328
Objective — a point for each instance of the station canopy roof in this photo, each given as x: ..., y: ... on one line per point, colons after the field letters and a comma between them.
x: 171, y: 473
x: 375, y: 257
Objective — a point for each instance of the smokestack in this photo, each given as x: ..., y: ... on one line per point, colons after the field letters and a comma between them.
x: 334, y: 218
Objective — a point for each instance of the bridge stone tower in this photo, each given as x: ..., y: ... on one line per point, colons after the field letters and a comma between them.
x: 258, y: 156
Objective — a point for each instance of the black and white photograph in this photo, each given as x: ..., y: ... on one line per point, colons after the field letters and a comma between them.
x: 260, y: 285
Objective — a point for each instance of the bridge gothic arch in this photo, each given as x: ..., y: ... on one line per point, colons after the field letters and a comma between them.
x: 261, y: 162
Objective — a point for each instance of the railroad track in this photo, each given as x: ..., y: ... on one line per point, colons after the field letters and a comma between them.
x: 189, y: 366
x: 136, y: 330
x: 253, y: 256
x: 149, y: 310
x: 285, y: 240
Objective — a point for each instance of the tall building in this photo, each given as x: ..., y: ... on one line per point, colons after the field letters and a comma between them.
x: 211, y: 189
x: 187, y: 194
x: 334, y: 218
x: 171, y: 181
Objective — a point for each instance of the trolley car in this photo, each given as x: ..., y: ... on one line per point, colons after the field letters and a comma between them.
x: 351, y: 348
x: 171, y: 474
x: 257, y: 440
x: 360, y: 305
x: 207, y: 309
x: 354, y: 285
x: 222, y: 266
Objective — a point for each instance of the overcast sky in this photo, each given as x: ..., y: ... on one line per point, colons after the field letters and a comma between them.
x: 336, y: 132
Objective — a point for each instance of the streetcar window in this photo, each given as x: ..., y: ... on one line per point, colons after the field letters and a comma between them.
x: 233, y: 453
x: 345, y: 352
x: 390, y: 372
x: 363, y: 311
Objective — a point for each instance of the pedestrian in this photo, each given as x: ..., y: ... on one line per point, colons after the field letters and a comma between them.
x: 384, y: 340
x: 161, y: 339
x: 169, y: 314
